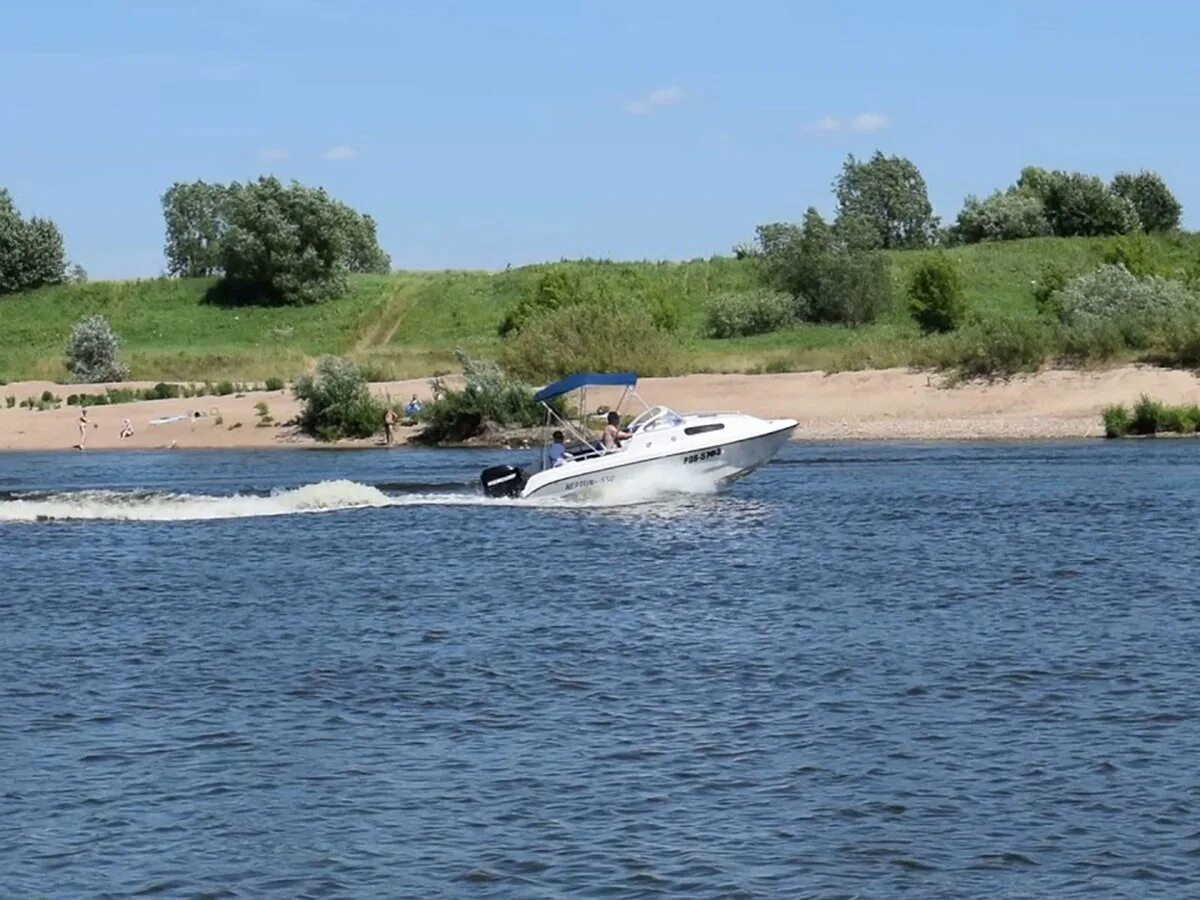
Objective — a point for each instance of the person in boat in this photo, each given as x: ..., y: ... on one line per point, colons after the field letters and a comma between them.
x: 613, y: 435
x: 558, y: 450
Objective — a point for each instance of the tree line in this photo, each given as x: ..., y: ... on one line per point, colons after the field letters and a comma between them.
x: 270, y: 242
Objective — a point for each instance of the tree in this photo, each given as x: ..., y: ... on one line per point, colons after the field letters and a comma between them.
x: 31, y: 252
x: 831, y: 271
x: 91, y: 355
x: 1004, y: 216
x: 935, y: 295
x: 196, y: 216
x: 1156, y: 206
x: 365, y: 254
x: 292, y: 244
x: 889, y: 193
x: 1079, y: 205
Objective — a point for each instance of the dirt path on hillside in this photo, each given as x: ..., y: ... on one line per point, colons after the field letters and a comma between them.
x: 381, y: 331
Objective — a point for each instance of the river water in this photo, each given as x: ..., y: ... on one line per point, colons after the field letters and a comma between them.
x: 945, y: 670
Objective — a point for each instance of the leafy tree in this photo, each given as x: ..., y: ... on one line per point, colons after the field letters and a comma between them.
x: 889, y: 193
x: 827, y: 270
x: 1133, y: 251
x: 337, y: 401
x: 1156, y: 206
x: 91, y: 355
x: 289, y: 244
x: 365, y: 254
x: 196, y: 215
x: 31, y: 252
x: 1079, y: 205
x: 742, y: 313
x: 1004, y: 216
x: 936, y: 297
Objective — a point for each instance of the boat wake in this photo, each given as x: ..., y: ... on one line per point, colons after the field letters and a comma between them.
x: 164, y: 506
x: 140, y: 505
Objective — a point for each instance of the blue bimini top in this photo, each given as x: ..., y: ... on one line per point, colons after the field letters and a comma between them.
x: 582, y: 380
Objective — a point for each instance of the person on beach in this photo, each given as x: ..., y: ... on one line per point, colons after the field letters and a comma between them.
x: 83, y: 429
x: 558, y: 450
x: 127, y: 429
x: 613, y: 435
x: 389, y: 424
x: 413, y: 407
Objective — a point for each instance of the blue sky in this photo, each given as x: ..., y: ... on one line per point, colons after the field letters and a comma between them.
x: 485, y: 133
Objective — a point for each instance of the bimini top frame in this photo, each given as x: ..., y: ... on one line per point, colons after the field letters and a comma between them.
x: 584, y: 380
x: 580, y: 433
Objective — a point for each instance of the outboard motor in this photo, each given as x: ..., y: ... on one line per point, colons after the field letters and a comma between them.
x: 503, y: 481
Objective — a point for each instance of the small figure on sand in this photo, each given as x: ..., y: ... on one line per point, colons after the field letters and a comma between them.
x: 412, y: 407
x: 126, y: 429
x: 389, y: 425
x: 83, y: 429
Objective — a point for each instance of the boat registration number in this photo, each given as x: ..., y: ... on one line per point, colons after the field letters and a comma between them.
x: 702, y: 455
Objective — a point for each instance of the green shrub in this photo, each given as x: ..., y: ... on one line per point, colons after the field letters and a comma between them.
x: 997, y: 347
x: 225, y: 388
x: 10, y: 401
x: 1004, y: 216
x: 48, y: 396
x: 745, y: 313
x: 1133, y: 251
x: 589, y: 338
x: 163, y: 391
x: 1092, y: 342
x: 1182, y: 342
x: 1147, y: 416
x: 487, y: 395
x: 1116, y: 421
x: 72, y: 399
x: 1113, y: 293
x: 274, y: 384
x: 337, y: 402
x: 91, y: 355
x: 936, y: 297
x: 1051, y: 279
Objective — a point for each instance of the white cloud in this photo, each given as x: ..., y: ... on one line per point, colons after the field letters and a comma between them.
x: 340, y: 152
x: 827, y: 125
x: 656, y: 99
x: 863, y: 122
x: 869, y: 122
x: 273, y: 154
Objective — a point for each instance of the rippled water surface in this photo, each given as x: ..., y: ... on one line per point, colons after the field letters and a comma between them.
x: 866, y: 671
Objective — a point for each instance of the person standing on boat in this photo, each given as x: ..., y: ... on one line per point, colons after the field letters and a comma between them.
x: 613, y: 435
x: 558, y: 450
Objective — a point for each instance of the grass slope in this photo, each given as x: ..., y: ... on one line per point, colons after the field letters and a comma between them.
x: 408, y: 324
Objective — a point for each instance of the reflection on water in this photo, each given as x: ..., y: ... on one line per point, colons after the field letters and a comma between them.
x: 868, y: 670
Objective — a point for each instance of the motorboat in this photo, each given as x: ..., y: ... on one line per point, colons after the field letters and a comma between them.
x: 664, y: 451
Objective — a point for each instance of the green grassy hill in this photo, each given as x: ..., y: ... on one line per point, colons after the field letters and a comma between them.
x: 407, y: 324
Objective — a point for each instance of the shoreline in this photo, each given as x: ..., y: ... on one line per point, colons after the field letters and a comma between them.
x: 869, y: 405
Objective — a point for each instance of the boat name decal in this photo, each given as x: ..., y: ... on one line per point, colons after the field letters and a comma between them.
x: 588, y: 482
x: 702, y: 455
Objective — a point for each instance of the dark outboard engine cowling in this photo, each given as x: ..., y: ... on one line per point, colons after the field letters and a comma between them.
x: 503, y: 481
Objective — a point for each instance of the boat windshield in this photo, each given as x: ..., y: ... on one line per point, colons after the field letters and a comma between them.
x: 656, y: 418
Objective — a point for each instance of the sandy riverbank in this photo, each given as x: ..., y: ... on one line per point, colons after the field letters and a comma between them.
x: 890, y: 404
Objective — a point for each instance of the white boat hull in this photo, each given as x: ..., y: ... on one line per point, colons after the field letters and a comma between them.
x: 668, y: 462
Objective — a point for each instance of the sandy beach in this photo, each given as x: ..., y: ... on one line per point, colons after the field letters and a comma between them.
x: 890, y: 404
